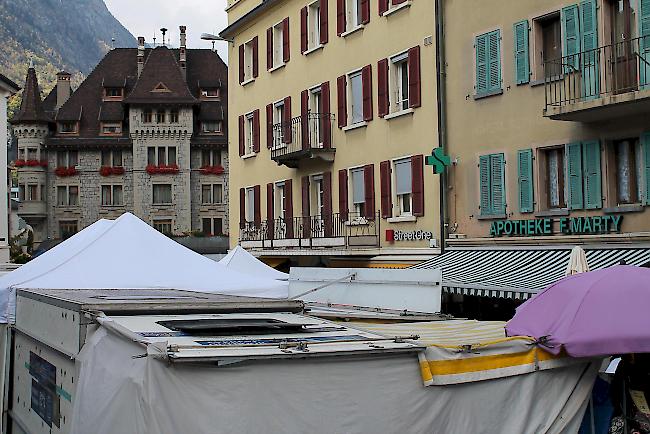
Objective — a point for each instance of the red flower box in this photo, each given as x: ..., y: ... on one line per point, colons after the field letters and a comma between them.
x: 20, y: 163
x: 30, y: 163
x: 66, y: 171
x: 212, y: 170
x: 108, y: 170
x: 171, y: 169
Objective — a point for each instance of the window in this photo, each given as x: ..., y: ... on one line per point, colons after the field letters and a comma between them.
x: 173, y: 116
x: 628, y: 162
x: 112, y: 195
x: 111, y: 128
x: 548, y: 45
x: 162, y: 194
x: 32, y: 154
x: 112, y: 158
x: 250, y: 148
x: 278, y: 44
x: 313, y: 20
x: 160, y: 116
x: 32, y: 192
x: 147, y: 116
x: 583, y: 175
x: 552, y: 169
x: 211, y: 194
x: 316, y: 127
x: 67, y: 158
x: 163, y: 225
x: 211, y: 127
x: 21, y: 154
x: 21, y: 192
x: 210, y: 92
x: 356, y: 97
x: 250, y: 204
x: 67, y: 228
x: 280, y: 200
x: 161, y: 155
x: 404, y: 186
x: 210, y: 158
x: 492, y: 185
x: 317, y: 196
x: 358, y: 191
x: 212, y: 226
x: 488, y: 63
x: 249, y: 58
x: 113, y: 92
x: 67, y: 195
x: 353, y: 12
x: 68, y: 127
x: 399, y: 83
x: 278, y: 119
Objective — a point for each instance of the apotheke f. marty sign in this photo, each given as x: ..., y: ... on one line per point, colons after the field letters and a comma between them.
x: 566, y: 225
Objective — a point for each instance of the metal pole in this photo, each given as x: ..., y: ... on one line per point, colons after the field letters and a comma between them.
x: 441, y: 107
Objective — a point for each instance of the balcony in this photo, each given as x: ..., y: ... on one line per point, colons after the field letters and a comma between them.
x: 611, y: 81
x: 303, y: 138
x: 32, y: 210
x: 315, y: 232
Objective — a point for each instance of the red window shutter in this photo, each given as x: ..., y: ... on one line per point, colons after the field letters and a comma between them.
x: 365, y: 11
x: 366, y: 80
x: 241, y: 63
x: 386, y: 198
x: 242, y: 208
x: 242, y: 137
x: 324, y: 32
x: 269, y: 48
x: 327, y: 203
x: 256, y: 66
x: 269, y: 125
x: 288, y: 131
x: 270, y: 211
x: 343, y: 194
x: 417, y: 179
x: 286, y: 52
x: 369, y: 190
x: 383, y: 6
x: 256, y: 131
x: 342, y: 104
x: 326, y: 116
x: 304, y: 118
x: 382, y: 87
x: 306, y: 219
x: 414, y: 77
x: 303, y: 29
x: 288, y: 208
x: 257, y: 212
x: 340, y: 17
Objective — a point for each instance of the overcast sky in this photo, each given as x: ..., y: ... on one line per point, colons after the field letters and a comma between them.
x: 146, y: 17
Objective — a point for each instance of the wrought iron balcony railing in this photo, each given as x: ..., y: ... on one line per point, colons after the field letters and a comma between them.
x: 303, y: 137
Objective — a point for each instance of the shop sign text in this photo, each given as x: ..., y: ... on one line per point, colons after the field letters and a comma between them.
x: 566, y: 225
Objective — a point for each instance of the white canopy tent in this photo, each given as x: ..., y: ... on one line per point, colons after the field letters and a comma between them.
x: 240, y: 260
x: 127, y: 253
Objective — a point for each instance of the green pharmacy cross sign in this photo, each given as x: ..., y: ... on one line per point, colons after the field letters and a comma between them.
x: 438, y: 160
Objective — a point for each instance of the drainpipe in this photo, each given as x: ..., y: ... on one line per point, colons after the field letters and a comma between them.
x: 442, y: 119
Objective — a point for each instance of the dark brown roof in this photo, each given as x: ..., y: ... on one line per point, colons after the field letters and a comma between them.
x: 111, y: 111
x: 161, y: 80
x: 211, y: 111
x: 8, y: 84
x: 31, y: 107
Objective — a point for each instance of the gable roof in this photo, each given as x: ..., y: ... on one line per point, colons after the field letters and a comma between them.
x: 8, y: 85
x: 31, y: 107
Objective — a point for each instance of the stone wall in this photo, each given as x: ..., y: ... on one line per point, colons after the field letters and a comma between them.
x: 199, y: 210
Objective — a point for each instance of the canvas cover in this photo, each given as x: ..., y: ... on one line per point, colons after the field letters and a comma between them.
x: 127, y: 253
x: 124, y: 386
x: 240, y: 260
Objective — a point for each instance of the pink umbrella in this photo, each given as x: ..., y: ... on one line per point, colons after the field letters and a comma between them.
x: 597, y: 313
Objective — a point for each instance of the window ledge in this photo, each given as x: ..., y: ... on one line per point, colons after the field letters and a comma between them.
x: 408, y: 111
x: 492, y: 217
x: 249, y: 81
x: 399, y: 7
x: 276, y: 67
x: 246, y: 156
x: 355, y: 126
x: 351, y: 31
x: 402, y: 219
x: 488, y: 94
x: 623, y: 209
x: 552, y: 212
x: 315, y: 48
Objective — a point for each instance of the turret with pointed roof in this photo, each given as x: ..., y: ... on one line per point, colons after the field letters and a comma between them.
x: 31, y: 107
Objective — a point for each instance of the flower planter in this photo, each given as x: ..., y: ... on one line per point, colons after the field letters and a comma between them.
x: 212, y: 170
x: 108, y: 170
x: 65, y: 171
x: 30, y: 163
x: 171, y: 169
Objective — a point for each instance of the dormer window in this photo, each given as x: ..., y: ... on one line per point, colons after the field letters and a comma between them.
x: 212, y: 127
x: 111, y: 128
x: 68, y: 127
x: 113, y: 93
x: 211, y: 92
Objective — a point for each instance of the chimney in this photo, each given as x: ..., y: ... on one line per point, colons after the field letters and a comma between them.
x: 182, y: 52
x: 140, y: 54
x: 63, y: 88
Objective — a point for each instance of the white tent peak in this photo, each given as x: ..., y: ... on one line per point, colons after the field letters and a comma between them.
x: 127, y: 253
x: 241, y: 260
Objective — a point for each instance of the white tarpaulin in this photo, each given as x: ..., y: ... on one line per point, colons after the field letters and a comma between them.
x: 121, y: 389
x: 239, y: 259
x: 127, y: 253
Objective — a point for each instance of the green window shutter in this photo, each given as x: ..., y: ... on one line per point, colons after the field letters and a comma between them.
x: 645, y: 143
x: 589, y: 46
x: 592, y: 174
x: 484, y: 175
x: 497, y: 183
x: 574, y: 175
x: 494, y: 63
x: 522, y: 58
x: 644, y: 32
x: 481, y: 64
x: 525, y: 180
x: 571, y: 33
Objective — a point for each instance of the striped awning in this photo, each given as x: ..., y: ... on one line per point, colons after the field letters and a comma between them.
x: 518, y: 273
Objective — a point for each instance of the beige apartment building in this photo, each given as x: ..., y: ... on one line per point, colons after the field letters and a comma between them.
x: 333, y: 109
